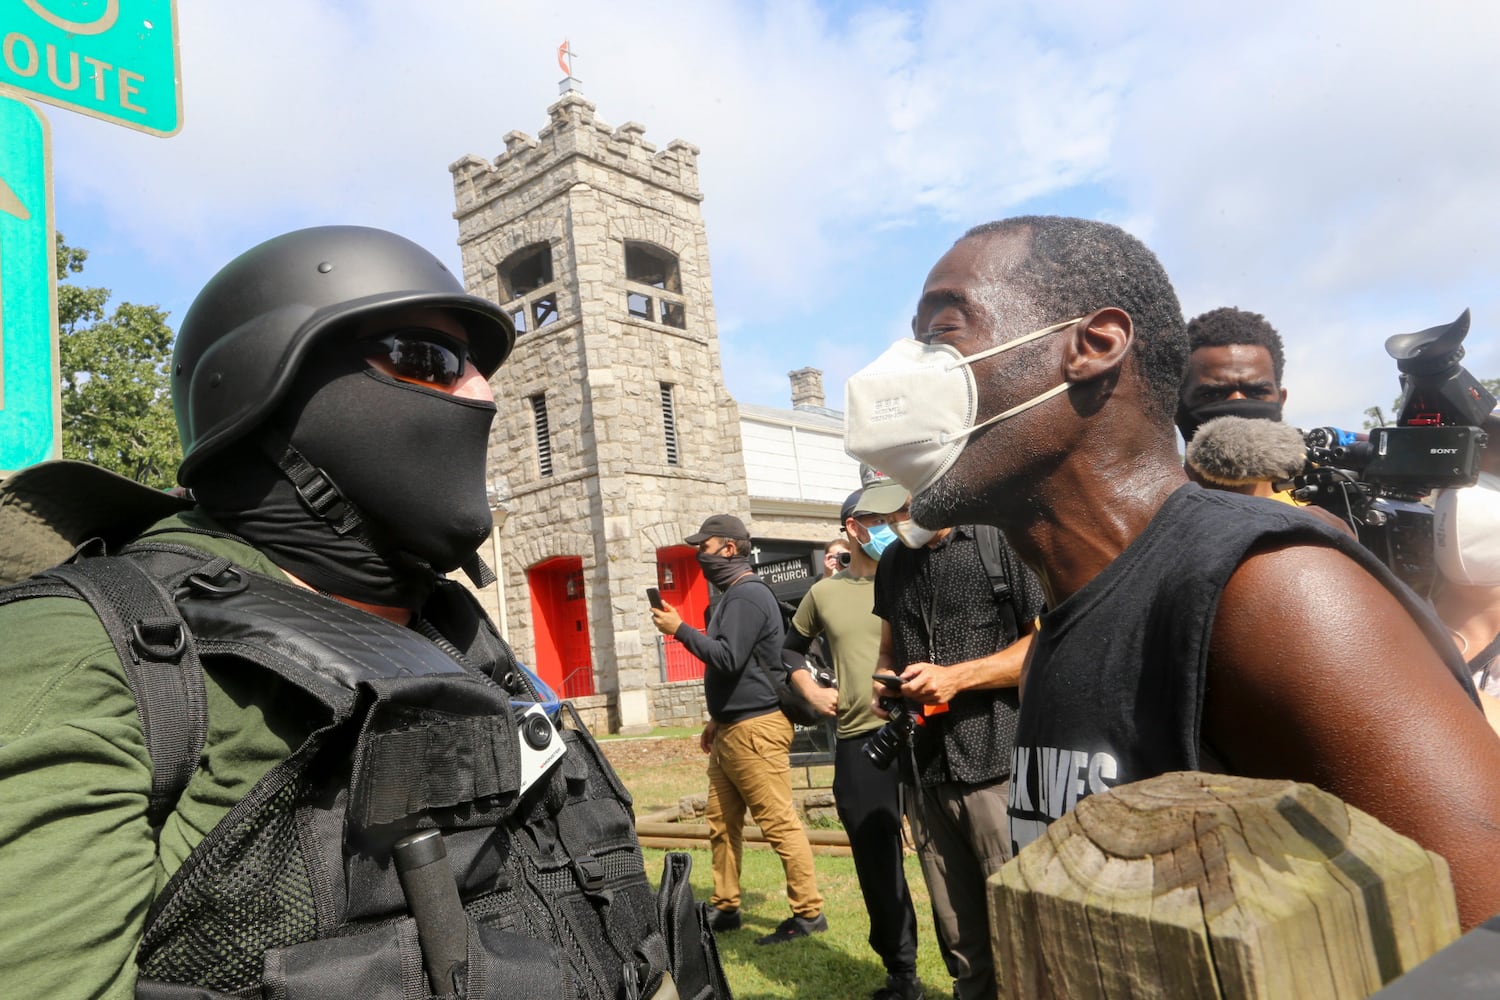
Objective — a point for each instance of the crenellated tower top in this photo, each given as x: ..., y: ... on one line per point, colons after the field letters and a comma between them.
x: 574, y: 132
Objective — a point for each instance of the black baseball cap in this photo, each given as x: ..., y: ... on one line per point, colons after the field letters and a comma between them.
x: 718, y: 526
x: 850, y: 508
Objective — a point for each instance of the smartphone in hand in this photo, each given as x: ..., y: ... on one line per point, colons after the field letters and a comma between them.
x: 889, y: 680
x: 654, y: 596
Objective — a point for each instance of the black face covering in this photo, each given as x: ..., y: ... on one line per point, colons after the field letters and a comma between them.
x: 1189, y: 419
x: 410, y: 459
x: 723, y: 570
x: 248, y: 495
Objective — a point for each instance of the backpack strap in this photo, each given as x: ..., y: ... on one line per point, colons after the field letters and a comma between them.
x: 996, y: 567
x: 161, y: 663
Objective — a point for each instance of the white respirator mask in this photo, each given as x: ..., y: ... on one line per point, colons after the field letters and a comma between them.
x: 1466, y: 533
x: 910, y: 412
x: 912, y: 534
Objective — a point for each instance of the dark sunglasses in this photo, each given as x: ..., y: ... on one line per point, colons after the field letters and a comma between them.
x: 420, y: 355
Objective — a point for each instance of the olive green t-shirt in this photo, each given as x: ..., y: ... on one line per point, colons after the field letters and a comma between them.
x: 842, y: 607
x: 79, y: 865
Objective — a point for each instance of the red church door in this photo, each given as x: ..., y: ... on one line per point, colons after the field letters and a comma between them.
x: 682, y: 586
x: 560, y: 626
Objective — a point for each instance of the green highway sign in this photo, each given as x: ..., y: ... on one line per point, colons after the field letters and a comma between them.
x: 113, y: 59
x: 30, y: 412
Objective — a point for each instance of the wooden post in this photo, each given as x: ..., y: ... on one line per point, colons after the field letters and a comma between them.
x: 1206, y: 885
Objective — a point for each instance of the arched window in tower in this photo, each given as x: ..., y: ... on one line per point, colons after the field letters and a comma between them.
x: 653, y: 285
x: 529, y: 287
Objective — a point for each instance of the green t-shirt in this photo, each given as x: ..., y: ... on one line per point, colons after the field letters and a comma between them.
x: 79, y: 866
x: 842, y: 607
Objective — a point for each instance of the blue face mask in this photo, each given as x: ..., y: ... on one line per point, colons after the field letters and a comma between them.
x: 881, y: 536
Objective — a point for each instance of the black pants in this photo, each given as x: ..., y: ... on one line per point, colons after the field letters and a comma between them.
x: 868, y: 802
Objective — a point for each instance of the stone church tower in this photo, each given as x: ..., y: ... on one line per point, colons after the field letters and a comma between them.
x: 615, y: 435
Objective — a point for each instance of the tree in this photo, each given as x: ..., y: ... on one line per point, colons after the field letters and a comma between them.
x: 116, y: 397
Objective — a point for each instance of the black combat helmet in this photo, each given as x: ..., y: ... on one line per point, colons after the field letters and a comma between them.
x: 247, y: 332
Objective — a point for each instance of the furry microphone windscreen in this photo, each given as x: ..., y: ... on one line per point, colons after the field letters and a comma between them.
x: 1236, y: 451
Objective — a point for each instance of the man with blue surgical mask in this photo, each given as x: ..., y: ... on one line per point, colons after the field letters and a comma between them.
x: 1038, y: 394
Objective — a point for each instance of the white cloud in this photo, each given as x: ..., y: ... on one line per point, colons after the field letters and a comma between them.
x: 1331, y: 165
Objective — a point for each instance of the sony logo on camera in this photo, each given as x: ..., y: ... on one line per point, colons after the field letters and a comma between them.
x: 1424, y: 458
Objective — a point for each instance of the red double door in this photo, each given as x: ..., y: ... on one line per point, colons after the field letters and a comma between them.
x: 560, y: 619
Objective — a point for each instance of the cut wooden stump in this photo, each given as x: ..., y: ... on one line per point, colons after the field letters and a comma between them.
x: 1206, y: 885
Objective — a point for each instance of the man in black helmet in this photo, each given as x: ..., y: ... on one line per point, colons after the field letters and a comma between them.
x: 295, y: 413
x: 331, y: 392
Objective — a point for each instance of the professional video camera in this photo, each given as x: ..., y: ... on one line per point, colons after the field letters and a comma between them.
x: 1377, y: 484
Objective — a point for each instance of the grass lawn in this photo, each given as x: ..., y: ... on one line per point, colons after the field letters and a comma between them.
x: 838, y: 965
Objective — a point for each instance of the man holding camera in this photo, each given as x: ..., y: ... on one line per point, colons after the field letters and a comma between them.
x: 867, y: 796
x: 957, y: 615
x: 1187, y: 629
x: 747, y: 737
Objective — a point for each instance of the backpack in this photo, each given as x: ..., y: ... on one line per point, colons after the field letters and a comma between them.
x: 797, y: 709
x: 444, y: 830
x: 999, y: 569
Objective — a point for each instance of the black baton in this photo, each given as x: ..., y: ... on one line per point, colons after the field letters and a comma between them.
x: 432, y: 896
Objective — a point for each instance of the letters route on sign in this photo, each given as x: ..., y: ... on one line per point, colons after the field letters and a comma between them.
x: 30, y: 411
x: 112, y: 59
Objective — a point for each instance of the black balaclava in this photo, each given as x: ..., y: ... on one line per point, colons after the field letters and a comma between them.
x: 721, y: 571
x: 411, y: 460
x: 1189, y: 419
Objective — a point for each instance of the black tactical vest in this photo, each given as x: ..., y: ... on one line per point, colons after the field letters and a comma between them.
x: 521, y: 877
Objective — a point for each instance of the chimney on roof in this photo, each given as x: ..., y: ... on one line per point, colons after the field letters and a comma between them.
x: 807, y: 388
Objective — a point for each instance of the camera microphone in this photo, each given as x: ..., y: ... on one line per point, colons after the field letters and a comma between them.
x: 1238, y: 451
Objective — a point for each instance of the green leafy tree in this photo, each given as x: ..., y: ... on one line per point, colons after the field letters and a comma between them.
x: 116, y: 397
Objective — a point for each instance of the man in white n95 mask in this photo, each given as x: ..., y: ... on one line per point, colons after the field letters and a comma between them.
x: 1038, y: 395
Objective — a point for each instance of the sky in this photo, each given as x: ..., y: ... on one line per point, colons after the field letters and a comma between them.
x: 1332, y: 165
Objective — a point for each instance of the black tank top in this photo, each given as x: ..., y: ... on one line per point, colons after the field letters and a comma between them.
x: 1114, y: 690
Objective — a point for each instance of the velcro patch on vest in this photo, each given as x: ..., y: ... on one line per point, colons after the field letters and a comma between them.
x: 436, y: 763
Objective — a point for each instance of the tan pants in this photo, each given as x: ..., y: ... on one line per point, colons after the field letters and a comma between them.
x: 749, y: 768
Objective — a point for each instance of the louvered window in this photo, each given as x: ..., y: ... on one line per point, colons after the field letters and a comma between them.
x: 543, y: 436
x: 669, y: 423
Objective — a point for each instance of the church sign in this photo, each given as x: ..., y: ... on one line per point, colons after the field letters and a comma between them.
x: 785, y: 571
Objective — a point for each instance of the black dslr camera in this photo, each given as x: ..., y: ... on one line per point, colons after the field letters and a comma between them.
x: 888, y: 740
x: 1376, y: 485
